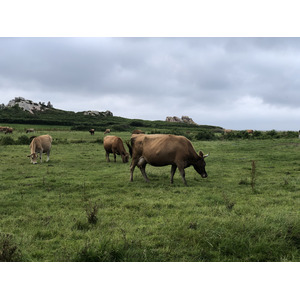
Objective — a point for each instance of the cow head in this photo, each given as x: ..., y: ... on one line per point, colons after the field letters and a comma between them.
x: 200, y: 164
x: 125, y: 157
x: 33, y: 157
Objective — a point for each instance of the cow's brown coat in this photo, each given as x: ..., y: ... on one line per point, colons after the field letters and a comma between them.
x: 114, y: 144
x: 163, y: 149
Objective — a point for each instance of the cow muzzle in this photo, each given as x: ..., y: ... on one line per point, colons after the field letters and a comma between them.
x: 204, y: 175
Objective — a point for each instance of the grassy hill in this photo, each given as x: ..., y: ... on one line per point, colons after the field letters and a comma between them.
x: 80, y: 121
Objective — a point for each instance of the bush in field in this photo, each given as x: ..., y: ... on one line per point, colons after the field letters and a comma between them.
x: 91, y: 213
x: 136, y: 124
x: 121, y: 127
x: 7, y: 140
x: 290, y: 134
x: 272, y: 134
x: 204, y: 136
x: 23, y: 140
x: 257, y: 134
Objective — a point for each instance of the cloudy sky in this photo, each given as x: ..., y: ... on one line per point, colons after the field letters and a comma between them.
x: 238, y: 83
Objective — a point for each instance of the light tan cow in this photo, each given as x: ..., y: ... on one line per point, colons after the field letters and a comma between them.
x: 107, y: 131
x: 137, y: 131
x: 114, y: 144
x: 40, y: 144
x: 29, y: 130
x: 227, y: 131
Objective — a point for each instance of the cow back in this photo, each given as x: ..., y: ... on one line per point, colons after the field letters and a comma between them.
x: 163, y: 149
x: 42, y: 142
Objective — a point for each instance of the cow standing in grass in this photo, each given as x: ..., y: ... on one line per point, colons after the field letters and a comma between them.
x: 92, y: 131
x: 40, y: 144
x: 164, y: 149
x: 114, y: 144
x: 3, y: 128
x: 9, y: 130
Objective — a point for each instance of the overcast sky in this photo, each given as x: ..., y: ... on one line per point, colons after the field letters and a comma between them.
x: 236, y: 83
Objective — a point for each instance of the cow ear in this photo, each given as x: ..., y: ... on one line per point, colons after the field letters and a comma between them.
x: 200, y: 153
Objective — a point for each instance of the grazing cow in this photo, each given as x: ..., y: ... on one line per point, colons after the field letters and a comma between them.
x: 137, y: 131
x: 29, y: 130
x: 114, y: 144
x: 250, y: 131
x: 162, y: 150
x: 40, y: 144
x: 227, y: 131
x: 92, y: 131
x: 9, y: 130
x: 107, y: 131
x: 3, y: 129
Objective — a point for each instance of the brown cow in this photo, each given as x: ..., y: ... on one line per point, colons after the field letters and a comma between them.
x: 250, y: 131
x: 92, y: 131
x: 227, y: 131
x: 9, y: 130
x: 162, y: 150
x: 107, y: 131
x: 114, y: 144
x: 3, y: 128
x: 40, y: 144
x: 137, y: 131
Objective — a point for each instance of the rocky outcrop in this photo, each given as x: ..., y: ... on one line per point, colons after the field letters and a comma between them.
x: 32, y: 107
x: 98, y: 113
x: 27, y: 105
x: 184, y: 119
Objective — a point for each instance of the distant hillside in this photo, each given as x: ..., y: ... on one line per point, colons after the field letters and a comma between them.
x: 22, y: 111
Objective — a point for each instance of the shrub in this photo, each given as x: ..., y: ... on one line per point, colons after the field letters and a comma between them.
x: 7, y: 140
x: 272, y: 134
x: 23, y: 140
x: 290, y: 134
x: 121, y: 127
x: 91, y: 212
x: 136, y: 124
x: 257, y: 134
x: 204, y: 136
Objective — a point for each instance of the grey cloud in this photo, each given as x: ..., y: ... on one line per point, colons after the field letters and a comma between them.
x: 165, y: 74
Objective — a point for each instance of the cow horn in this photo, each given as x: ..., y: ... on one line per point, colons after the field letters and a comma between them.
x: 205, y: 155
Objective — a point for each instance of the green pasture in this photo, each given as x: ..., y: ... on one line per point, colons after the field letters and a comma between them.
x: 78, y: 207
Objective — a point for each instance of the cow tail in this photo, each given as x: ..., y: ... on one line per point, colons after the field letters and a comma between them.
x: 129, y: 147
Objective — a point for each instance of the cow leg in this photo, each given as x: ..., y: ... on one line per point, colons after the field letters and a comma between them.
x: 142, y: 165
x: 41, y: 156
x: 132, y: 167
x: 182, y: 173
x: 115, y: 157
x: 173, y: 169
x: 48, y: 155
x: 107, y: 156
x: 143, y: 170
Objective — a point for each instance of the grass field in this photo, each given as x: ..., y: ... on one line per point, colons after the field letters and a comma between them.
x: 78, y: 207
